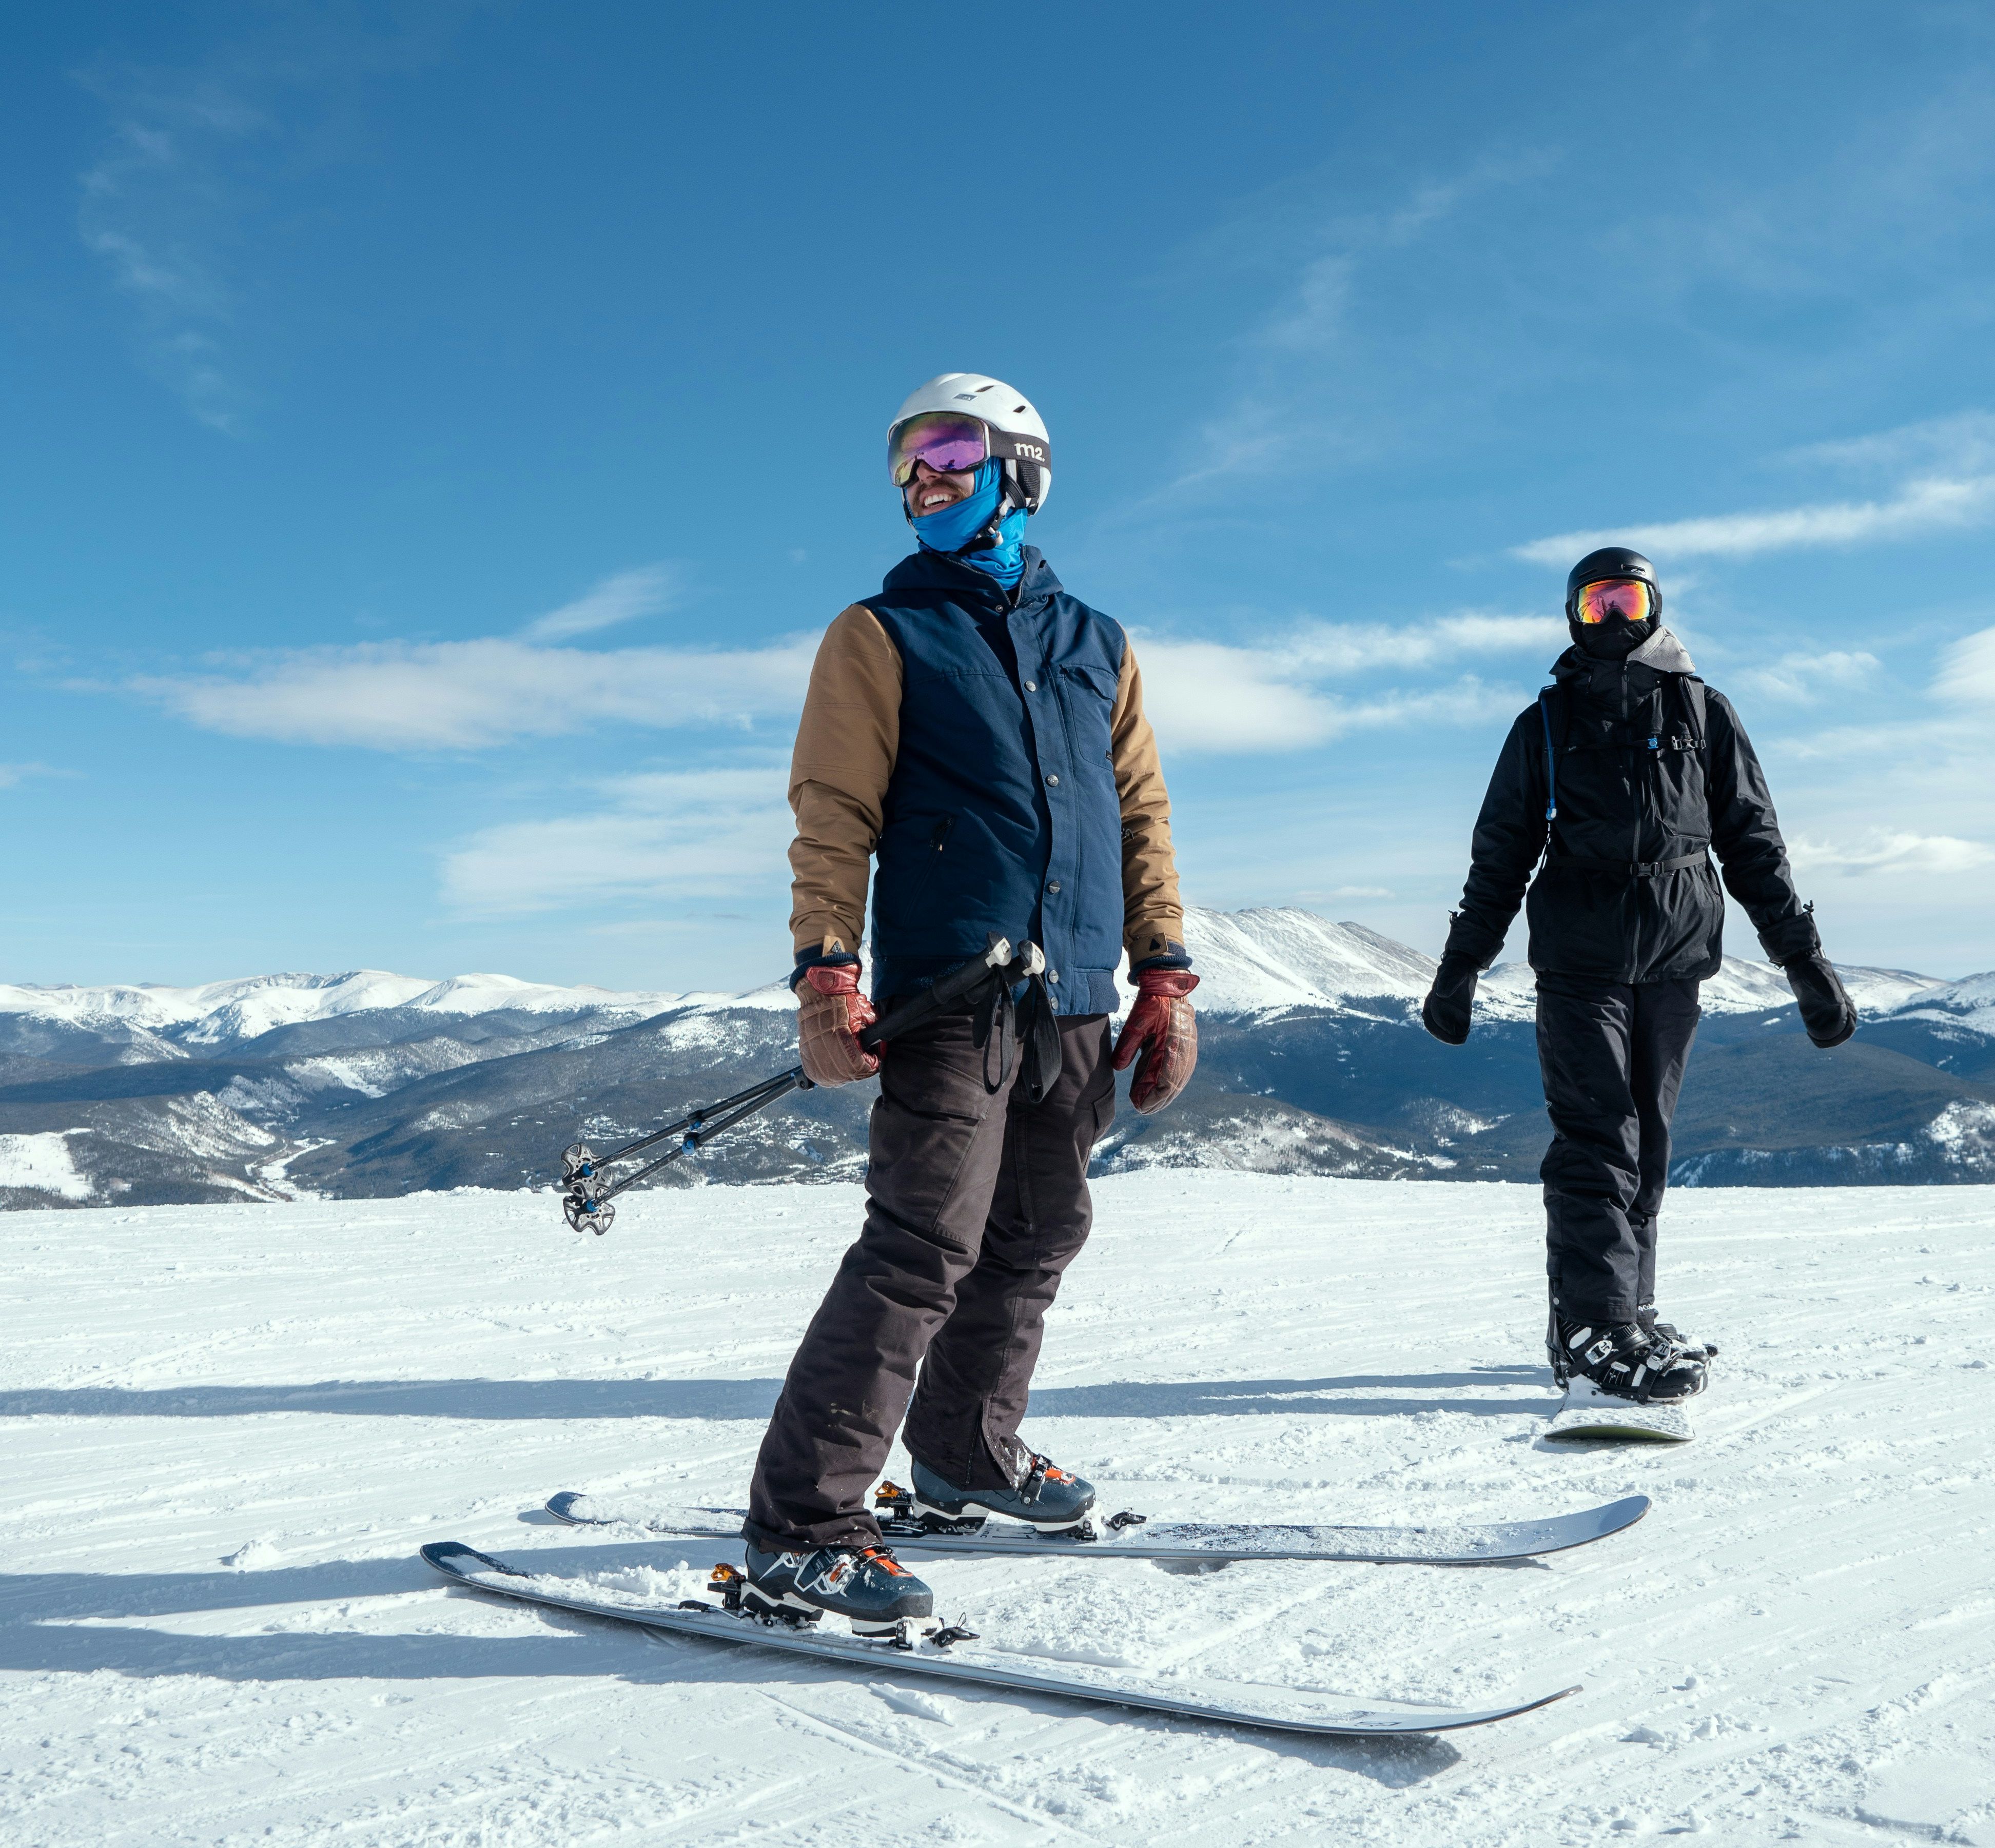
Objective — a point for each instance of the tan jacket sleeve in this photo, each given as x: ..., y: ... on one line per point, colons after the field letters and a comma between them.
x: 1152, y: 915
x: 847, y: 743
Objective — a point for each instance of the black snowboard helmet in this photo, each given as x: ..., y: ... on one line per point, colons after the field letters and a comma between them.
x: 1620, y: 638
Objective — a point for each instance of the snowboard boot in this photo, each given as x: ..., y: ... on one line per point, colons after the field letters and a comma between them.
x: 1697, y: 1350
x: 865, y: 1585
x: 1045, y: 1496
x: 1625, y: 1361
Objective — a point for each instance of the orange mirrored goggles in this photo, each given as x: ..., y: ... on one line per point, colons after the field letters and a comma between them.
x: 1615, y: 599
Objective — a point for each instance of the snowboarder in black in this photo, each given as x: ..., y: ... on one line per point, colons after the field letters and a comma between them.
x: 1624, y: 779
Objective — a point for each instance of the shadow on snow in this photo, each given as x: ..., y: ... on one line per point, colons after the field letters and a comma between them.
x: 67, y: 1623
x: 746, y: 1400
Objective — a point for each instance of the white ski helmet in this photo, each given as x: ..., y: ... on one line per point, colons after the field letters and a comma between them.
x: 1017, y: 432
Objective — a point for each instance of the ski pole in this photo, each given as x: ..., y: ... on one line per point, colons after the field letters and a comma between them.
x: 583, y: 1205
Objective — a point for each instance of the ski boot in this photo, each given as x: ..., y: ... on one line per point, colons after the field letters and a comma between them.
x: 1625, y: 1360
x: 1044, y: 1496
x: 1697, y: 1350
x: 867, y: 1585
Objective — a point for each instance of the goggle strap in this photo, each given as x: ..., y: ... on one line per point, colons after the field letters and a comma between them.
x: 1009, y: 448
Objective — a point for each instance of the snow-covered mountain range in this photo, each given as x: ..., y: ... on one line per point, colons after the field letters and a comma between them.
x: 373, y: 1083
x: 1280, y: 956
x: 1253, y: 962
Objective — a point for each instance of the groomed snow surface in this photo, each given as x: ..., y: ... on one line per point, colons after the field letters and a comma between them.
x: 228, y: 1428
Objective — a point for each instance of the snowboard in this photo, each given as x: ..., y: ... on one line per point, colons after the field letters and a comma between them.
x: 949, y: 1653
x: 1587, y: 1412
x: 1133, y: 1537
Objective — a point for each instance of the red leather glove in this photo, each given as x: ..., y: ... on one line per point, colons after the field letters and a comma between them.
x: 1162, y: 1029
x: 831, y: 1014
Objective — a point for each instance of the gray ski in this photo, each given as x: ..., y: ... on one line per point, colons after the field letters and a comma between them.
x: 947, y: 1655
x: 1438, y: 1544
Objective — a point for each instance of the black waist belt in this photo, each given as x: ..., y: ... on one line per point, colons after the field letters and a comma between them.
x: 1630, y: 869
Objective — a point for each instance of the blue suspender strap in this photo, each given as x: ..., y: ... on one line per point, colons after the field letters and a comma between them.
x: 1551, y: 759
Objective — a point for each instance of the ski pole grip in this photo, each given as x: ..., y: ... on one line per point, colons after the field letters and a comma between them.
x: 944, y: 994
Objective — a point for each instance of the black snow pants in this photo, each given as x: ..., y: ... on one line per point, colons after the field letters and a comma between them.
x: 1612, y: 1056
x: 976, y: 1202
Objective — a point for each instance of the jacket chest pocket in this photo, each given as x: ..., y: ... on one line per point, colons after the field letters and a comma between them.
x: 1681, y: 802
x: 1087, y: 703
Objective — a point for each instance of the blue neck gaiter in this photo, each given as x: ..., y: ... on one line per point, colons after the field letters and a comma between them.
x: 949, y: 529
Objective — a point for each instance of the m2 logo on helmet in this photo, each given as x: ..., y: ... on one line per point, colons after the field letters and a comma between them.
x: 1028, y: 452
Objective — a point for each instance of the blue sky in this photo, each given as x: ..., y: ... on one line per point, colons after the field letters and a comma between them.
x: 432, y: 438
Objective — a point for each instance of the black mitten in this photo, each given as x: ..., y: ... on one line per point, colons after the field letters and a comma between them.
x: 1445, y: 1012
x: 1826, y: 1010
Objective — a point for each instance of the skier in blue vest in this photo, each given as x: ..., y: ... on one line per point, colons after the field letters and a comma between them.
x: 980, y: 732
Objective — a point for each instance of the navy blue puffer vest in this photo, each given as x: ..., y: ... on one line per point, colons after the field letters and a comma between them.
x: 1002, y: 813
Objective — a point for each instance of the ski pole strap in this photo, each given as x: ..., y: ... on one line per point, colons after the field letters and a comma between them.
x: 1630, y: 869
x: 1039, y: 1028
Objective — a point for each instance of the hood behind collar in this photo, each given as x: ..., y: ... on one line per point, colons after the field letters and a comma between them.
x: 1665, y: 653
x: 1662, y: 653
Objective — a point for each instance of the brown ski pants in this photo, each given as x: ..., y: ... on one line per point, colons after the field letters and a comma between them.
x: 976, y: 1202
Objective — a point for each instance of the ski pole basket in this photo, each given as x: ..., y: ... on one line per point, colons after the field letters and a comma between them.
x: 589, y: 1191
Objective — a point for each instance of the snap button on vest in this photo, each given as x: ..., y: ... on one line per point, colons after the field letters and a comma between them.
x: 1052, y: 778
x: 1031, y: 686
x: 1052, y: 885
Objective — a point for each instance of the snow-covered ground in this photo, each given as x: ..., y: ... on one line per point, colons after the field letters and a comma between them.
x: 227, y: 1429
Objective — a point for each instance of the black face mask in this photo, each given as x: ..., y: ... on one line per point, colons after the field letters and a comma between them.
x: 1611, y: 641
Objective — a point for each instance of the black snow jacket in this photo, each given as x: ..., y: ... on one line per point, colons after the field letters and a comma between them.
x: 1654, y: 774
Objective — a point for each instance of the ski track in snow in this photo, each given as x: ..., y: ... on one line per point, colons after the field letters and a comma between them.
x: 1798, y: 1644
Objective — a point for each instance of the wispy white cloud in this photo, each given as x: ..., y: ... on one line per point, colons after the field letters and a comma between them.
x: 1881, y: 850
x: 1967, y: 676
x: 702, y: 834
x: 170, y: 201
x: 1804, y: 677
x: 1331, y: 648
x: 478, y: 695
x: 616, y: 599
x: 1204, y: 696
x: 156, y: 207
x: 1300, y: 363
x: 12, y: 775
x: 1963, y: 444
x: 1922, y: 506
x: 1946, y: 466
x: 1209, y: 696
x: 1271, y: 696
x: 1893, y: 818
x: 400, y: 696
